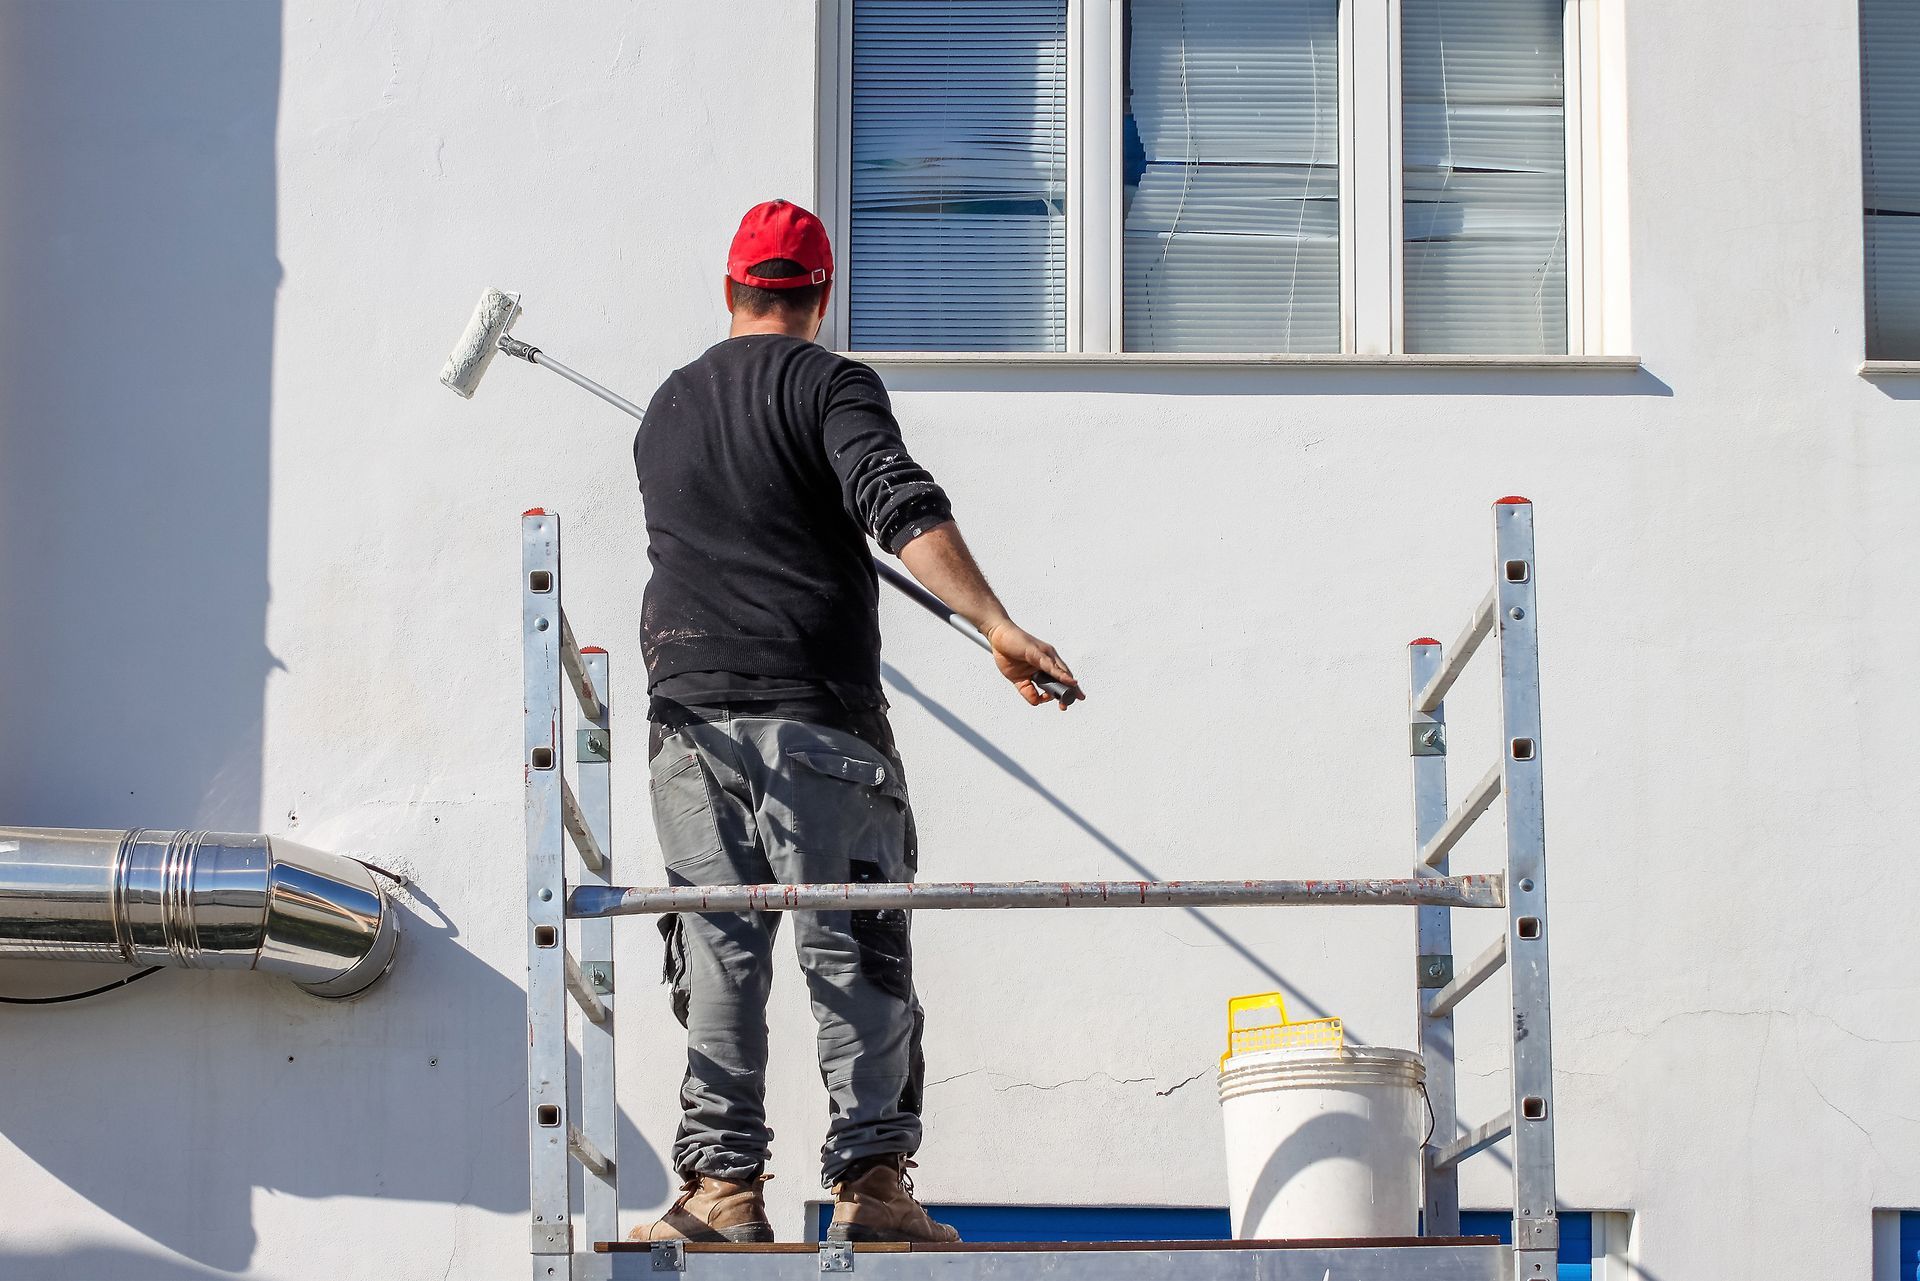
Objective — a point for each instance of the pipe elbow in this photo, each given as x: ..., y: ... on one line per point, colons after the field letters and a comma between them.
x: 329, y: 925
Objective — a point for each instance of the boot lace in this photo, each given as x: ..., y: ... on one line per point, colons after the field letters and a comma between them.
x: 691, y: 1184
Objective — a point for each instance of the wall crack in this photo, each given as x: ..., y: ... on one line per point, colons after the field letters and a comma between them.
x: 1180, y: 1084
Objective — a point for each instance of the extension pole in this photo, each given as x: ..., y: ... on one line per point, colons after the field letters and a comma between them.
x: 534, y: 356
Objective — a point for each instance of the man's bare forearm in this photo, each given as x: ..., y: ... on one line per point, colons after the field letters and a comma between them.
x: 940, y: 560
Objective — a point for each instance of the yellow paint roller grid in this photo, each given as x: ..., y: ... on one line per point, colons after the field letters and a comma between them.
x: 1259, y: 1022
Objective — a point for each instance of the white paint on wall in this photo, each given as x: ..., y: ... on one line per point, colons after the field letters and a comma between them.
x: 260, y: 572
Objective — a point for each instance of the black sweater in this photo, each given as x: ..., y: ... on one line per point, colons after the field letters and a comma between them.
x: 765, y: 465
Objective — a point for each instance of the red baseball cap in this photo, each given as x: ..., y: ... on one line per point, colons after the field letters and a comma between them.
x: 780, y: 229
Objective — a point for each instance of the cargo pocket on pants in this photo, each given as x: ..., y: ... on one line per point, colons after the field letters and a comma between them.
x: 674, y: 971
x: 884, y: 941
x: 851, y: 813
x: 847, y: 807
x: 683, y: 817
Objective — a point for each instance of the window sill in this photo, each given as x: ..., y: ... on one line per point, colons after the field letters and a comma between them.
x: 1252, y: 360
x: 1889, y: 368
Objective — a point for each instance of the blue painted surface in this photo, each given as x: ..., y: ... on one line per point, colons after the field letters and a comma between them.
x: 1909, y: 1246
x: 1077, y: 1222
x: 1163, y: 1223
x: 1576, y: 1238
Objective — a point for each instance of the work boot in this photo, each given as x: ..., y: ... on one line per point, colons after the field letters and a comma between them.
x: 711, y: 1209
x: 874, y: 1202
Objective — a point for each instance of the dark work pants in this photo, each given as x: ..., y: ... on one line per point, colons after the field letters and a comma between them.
x: 751, y: 800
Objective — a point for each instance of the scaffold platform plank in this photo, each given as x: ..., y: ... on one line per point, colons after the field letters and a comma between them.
x: 1395, y: 1259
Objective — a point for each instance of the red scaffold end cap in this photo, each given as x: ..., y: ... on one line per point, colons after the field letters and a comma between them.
x: 1513, y: 500
x: 1422, y: 640
x: 534, y: 511
x: 591, y: 649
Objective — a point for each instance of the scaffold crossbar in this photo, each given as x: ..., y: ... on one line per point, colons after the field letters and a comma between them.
x: 587, y: 902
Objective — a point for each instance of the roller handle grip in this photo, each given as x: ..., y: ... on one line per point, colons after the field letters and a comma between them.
x: 1063, y: 693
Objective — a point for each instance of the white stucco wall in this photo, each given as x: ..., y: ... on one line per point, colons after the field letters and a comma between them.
x: 260, y: 572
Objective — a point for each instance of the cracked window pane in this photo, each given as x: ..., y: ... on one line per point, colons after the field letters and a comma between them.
x: 1230, y: 150
x: 1483, y: 110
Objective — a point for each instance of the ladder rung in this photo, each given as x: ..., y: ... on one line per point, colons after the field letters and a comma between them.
x: 1475, y: 1139
x: 1484, y: 967
x: 590, y: 1002
x: 583, y: 1151
x: 577, y: 671
x: 1461, y: 819
x: 1478, y: 1139
x: 1457, y: 654
x: 576, y: 824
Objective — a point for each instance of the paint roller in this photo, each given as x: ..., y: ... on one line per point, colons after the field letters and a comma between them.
x: 486, y: 335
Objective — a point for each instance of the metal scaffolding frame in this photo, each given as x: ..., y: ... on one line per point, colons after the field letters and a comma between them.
x: 578, y: 969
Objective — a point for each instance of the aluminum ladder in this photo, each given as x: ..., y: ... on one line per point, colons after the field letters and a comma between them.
x: 579, y: 972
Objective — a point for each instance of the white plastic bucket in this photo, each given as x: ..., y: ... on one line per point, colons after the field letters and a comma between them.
x: 1323, y: 1142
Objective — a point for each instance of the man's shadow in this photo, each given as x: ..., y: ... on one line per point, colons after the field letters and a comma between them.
x: 900, y: 682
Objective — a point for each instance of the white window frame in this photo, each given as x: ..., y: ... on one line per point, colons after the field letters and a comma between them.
x: 1613, y: 1247
x: 1886, y: 1245
x: 1371, y: 255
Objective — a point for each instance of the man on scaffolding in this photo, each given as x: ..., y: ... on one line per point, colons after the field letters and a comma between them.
x: 765, y: 466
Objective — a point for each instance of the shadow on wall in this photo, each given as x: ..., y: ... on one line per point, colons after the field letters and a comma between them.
x: 1285, y: 380
x: 1896, y: 386
x: 176, y: 1114
x: 103, y: 1261
x: 903, y: 684
x: 138, y: 280
x: 137, y: 283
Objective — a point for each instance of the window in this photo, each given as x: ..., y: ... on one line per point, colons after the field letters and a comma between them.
x: 957, y: 180
x: 1254, y: 176
x: 1483, y: 134
x: 1890, y: 163
x: 1230, y: 173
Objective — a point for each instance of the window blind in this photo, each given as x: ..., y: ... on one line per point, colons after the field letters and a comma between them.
x: 1231, y: 235
x: 1483, y: 117
x: 958, y: 182
x: 1890, y: 144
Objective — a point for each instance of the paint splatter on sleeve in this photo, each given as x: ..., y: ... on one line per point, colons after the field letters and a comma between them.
x: 892, y: 497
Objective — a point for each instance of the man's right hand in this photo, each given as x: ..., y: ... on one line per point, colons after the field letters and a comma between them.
x: 1021, y: 656
x: 940, y: 560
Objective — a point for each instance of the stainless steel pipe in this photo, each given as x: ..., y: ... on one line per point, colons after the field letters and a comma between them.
x: 1440, y: 891
x: 202, y: 900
